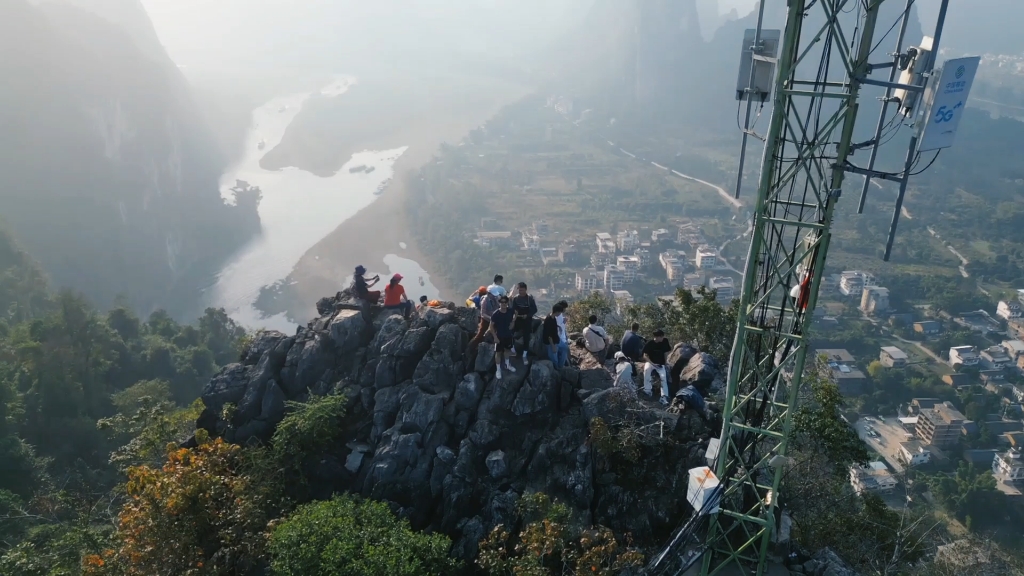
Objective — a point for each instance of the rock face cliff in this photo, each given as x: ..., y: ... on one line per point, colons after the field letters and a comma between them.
x: 108, y: 176
x: 450, y: 446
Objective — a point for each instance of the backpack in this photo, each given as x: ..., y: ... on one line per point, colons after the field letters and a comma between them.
x: 488, y: 305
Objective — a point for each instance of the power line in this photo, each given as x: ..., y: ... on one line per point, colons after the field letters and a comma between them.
x: 893, y: 27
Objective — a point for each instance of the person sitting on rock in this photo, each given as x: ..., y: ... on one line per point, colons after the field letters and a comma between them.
x: 596, y: 340
x: 361, y: 288
x: 503, y: 331
x: 624, y: 373
x: 632, y: 343
x: 423, y: 305
x: 394, y: 296
x: 656, y: 352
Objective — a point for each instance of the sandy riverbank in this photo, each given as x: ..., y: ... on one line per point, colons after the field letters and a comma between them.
x: 445, y: 110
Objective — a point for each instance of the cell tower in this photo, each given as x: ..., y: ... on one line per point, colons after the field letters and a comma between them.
x: 822, y: 64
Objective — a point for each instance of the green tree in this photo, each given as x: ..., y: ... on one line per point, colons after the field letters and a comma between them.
x: 347, y: 536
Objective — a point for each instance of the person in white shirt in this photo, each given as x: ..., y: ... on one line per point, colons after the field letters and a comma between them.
x: 596, y: 339
x: 624, y: 373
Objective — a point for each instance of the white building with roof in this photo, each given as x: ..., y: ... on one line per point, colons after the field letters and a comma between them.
x: 875, y: 477
x: 913, y: 453
x: 724, y: 286
x: 627, y: 240
x: 1008, y: 467
x: 629, y: 266
x: 588, y: 280
x: 706, y: 258
x: 644, y: 256
x: 659, y: 235
x: 622, y: 299
x: 1008, y: 310
x: 964, y: 355
x: 614, y: 277
x: 852, y: 282
x: 605, y: 243
x: 892, y: 357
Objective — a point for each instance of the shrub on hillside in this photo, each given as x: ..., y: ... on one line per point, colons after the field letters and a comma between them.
x: 347, y: 536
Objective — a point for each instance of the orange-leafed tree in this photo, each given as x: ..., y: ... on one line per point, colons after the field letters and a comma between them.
x: 201, y: 513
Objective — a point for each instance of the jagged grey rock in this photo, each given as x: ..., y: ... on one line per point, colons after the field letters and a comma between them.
x: 497, y: 464
x: 700, y: 371
x: 447, y: 445
x: 679, y: 357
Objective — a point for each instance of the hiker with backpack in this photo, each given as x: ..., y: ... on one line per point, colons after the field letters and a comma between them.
x: 488, y: 305
x: 525, y: 308
x: 474, y: 299
x: 596, y: 340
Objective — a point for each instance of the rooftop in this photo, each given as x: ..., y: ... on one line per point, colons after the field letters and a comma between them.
x: 837, y: 355
x: 894, y: 352
x: 914, y: 447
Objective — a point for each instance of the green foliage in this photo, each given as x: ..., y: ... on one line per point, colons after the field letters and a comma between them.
x: 578, y: 314
x: 347, y: 536
x: 53, y: 550
x: 309, y: 428
x: 147, y: 425
x: 970, y: 491
x: 547, y: 545
x: 818, y: 425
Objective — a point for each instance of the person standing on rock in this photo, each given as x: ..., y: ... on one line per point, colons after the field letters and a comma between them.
x: 498, y: 281
x: 502, y: 328
x: 488, y: 305
x: 555, y: 341
x: 656, y: 351
x: 525, y: 308
x: 596, y: 340
x: 395, y: 297
x: 474, y: 299
x: 361, y: 288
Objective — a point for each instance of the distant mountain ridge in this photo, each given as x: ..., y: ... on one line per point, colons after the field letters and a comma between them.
x: 108, y: 177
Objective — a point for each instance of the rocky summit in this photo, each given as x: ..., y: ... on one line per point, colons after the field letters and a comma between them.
x: 451, y: 447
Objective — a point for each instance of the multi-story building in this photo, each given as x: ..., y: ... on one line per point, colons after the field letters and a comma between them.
x: 629, y: 265
x: 851, y: 283
x: 724, y: 286
x: 892, y: 357
x: 874, y: 300
x: 1008, y: 467
x: 614, y: 277
x: 844, y: 372
x: 588, y: 280
x: 605, y: 243
x: 964, y: 356
x: 627, y: 240
x: 601, y: 259
x: 706, y: 258
x: 693, y: 281
x: 913, y: 453
x: 549, y: 255
x: 995, y: 358
x: 875, y: 477
x: 644, y: 255
x: 940, y: 425
x: 541, y: 228
x: 1014, y: 348
x: 1008, y: 310
x: 659, y: 235
x: 673, y: 265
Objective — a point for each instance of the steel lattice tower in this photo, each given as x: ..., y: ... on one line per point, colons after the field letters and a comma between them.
x: 822, y: 63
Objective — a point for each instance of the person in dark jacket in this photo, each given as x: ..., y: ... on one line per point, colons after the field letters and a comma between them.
x: 632, y: 343
x: 361, y: 288
x: 555, y: 340
x: 525, y: 308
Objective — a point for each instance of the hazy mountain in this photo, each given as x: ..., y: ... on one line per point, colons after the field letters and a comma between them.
x: 108, y: 177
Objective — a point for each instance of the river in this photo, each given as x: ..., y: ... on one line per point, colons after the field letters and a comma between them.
x: 298, y: 210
